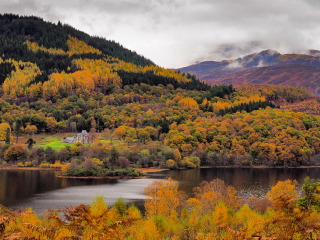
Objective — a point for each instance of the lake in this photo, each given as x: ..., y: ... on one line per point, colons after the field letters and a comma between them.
x: 42, y: 189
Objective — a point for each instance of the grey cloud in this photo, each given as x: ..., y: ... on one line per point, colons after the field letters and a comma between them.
x: 176, y: 33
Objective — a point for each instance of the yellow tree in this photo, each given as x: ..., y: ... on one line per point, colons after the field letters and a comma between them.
x: 119, y: 133
x: 14, y: 152
x: 163, y: 198
x: 3, y: 130
x: 212, y: 192
x: 286, y: 187
x: 177, y: 155
x: 51, y: 124
x: 30, y: 129
x: 151, y: 131
x: 291, y: 221
x: 143, y: 135
x: 131, y: 135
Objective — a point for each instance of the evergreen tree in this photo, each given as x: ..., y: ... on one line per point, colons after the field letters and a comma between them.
x: 8, y: 136
x: 30, y: 143
x: 114, y: 155
x: 17, y: 128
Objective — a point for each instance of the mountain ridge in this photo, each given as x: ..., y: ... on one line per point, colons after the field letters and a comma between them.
x: 263, y: 68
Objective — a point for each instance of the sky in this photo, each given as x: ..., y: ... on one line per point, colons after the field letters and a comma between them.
x: 178, y: 33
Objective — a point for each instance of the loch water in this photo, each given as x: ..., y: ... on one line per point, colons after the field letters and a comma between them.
x: 41, y: 189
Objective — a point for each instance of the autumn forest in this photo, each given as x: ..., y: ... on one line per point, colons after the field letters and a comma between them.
x: 58, y: 81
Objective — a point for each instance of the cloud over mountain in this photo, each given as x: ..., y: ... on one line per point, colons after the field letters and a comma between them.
x: 176, y: 33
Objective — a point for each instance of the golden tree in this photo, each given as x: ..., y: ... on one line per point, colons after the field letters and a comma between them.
x: 163, y: 198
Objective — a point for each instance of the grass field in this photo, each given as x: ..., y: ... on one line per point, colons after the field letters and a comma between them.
x: 56, y: 145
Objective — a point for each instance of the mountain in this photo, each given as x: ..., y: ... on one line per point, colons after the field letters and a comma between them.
x: 266, y: 67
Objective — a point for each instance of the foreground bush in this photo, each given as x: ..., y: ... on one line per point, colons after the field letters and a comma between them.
x: 214, y: 213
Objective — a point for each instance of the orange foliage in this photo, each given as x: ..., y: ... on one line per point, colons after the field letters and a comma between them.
x: 310, y: 106
x: 79, y: 47
x: 165, y: 220
x: 33, y: 46
x: 237, y: 100
x: 3, y: 130
x: 155, y: 69
x: 286, y: 187
x: 274, y: 136
x: 101, y: 70
x: 75, y: 47
x: 16, y: 85
x: 80, y: 82
x: 273, y: 92
x: 188, y: 102
x: 162, y: 198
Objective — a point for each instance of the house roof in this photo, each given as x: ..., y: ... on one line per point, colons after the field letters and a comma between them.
x: 83, y: 133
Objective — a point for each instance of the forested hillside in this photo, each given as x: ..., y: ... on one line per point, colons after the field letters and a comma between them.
x: 56, y: 79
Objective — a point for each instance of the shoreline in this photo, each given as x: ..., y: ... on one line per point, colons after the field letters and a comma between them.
x: 259, y: 167
x: 151, y: 170
x: 30, y: 168
x: 103, y: 177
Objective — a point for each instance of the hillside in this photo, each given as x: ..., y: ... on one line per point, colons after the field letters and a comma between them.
x: 266, y: 67
x: 15, y: 30
x: 57, y: 79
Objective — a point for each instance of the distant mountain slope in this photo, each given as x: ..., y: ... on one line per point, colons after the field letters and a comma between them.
x: 266, y: 67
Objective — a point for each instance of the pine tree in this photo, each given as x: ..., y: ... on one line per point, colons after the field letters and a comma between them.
x: 8, y: 136
x: 17, y: 128
x: 114, y: 155
x: 30, y: 143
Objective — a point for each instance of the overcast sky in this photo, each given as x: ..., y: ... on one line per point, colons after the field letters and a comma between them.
x: 177, y: 33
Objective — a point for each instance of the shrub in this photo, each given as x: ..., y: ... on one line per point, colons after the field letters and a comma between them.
x: 182, y: 164
x: 196, y: 161
x: 14, y: 152
x: 28, y: 164
x: 145, y: 153
x: 123, y: 162
x: 190, y: 164
x: 145, y: 161
x: 97, y: 161
x: 20, y: 165
x: 44, y: 164
x: 35, y: 162
x: 171, y: 164
x: 130, y: 172
x: 168, y: 153
x: 120, y: 206
x: 88, y: 164
x: 133, y: 157
x: 57, y: 164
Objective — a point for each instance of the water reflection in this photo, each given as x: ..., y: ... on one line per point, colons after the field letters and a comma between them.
x: 247, y: 181
x: 42, y: 189
x: 131, y: 190
x: 17, y: 186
